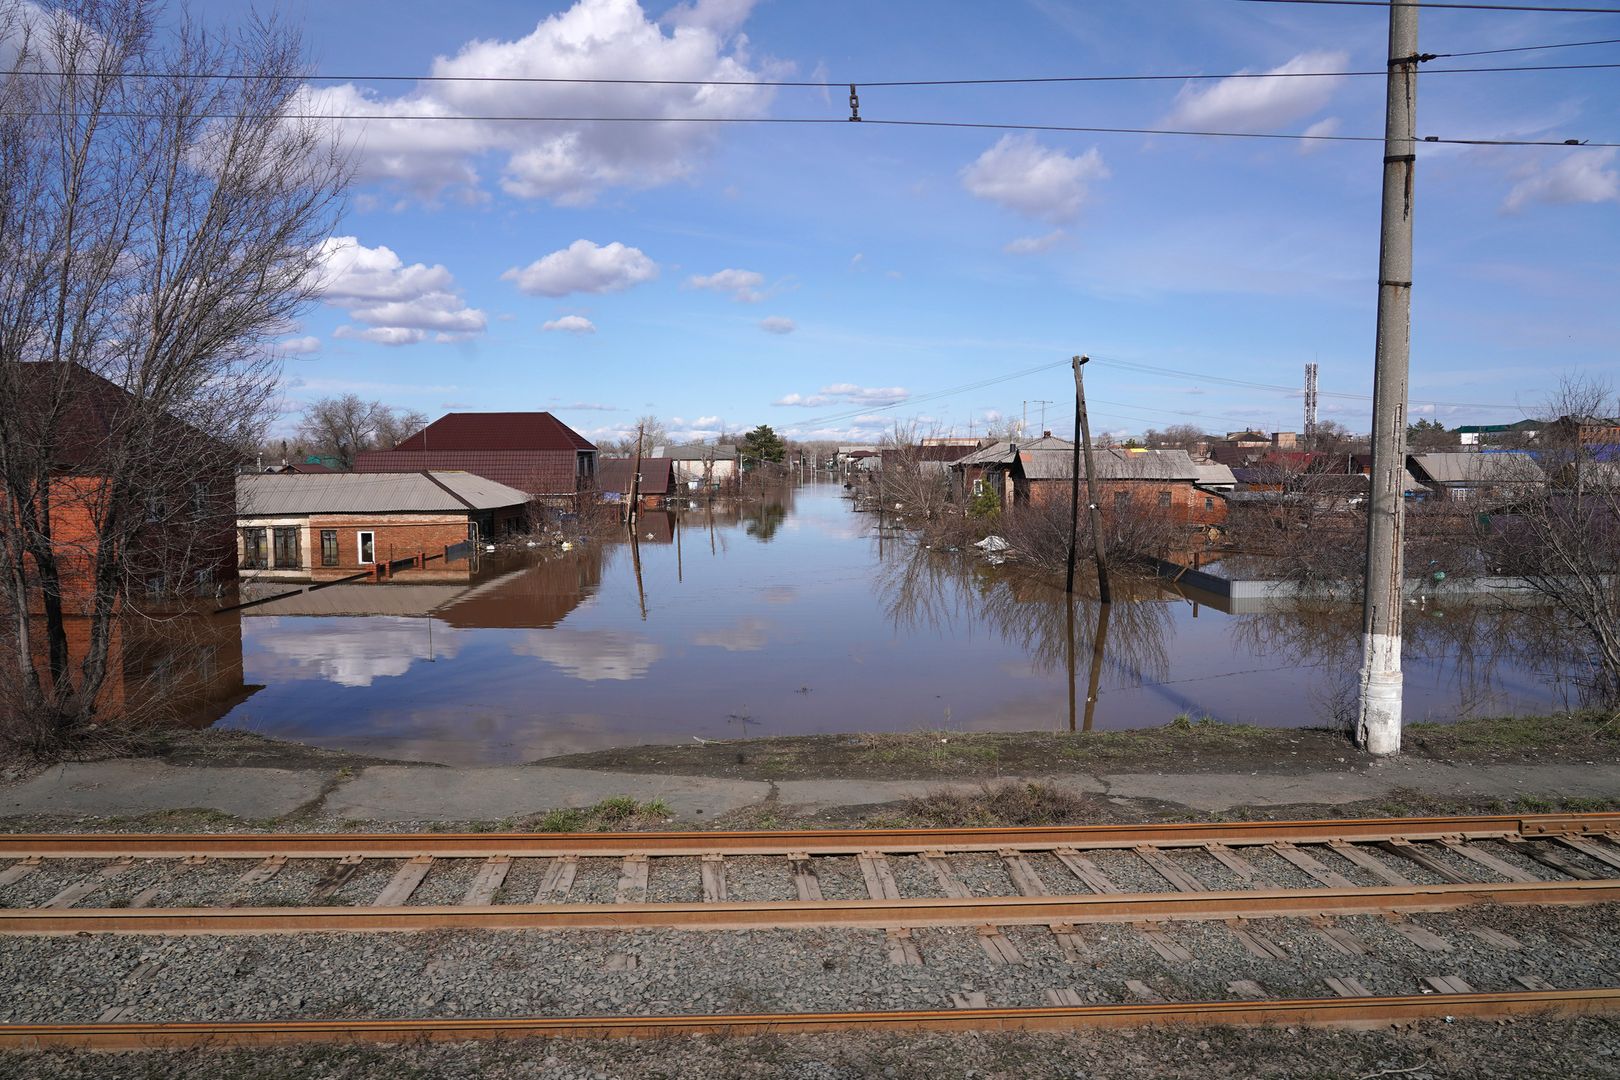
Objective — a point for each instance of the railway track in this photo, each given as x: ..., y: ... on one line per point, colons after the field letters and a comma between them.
x: 1063, y: 882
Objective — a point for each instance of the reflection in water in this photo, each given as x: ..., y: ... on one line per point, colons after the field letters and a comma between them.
x: 748, y: 619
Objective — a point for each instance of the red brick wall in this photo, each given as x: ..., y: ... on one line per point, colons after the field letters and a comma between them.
x: 1187, y: 503
x: 398, y: 536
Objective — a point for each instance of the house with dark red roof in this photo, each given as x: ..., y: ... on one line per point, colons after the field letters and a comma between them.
x: 531, y: 451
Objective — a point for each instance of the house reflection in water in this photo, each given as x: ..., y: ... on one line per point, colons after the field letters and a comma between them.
x: 174, y: 668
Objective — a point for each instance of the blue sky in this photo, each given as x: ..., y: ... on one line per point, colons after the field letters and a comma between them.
x: 803, y: 275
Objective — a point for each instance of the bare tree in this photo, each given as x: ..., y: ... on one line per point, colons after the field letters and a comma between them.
x: 342, y: 427
x: 914, y: 478
x: 1186, y: 437
x: 161, y: 230
x: 1556, y: 525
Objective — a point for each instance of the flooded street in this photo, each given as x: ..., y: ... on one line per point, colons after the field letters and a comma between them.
x: 797, y: 617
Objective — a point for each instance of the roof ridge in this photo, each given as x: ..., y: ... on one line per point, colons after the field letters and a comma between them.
x: 436, y: 482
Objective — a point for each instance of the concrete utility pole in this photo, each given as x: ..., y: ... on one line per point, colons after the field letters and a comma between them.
x: 635, y: 479
x: 1378, y: 729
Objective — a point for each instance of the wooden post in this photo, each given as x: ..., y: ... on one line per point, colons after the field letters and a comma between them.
x: 1083, y: 439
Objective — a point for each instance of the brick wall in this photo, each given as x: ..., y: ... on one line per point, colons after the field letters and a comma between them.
x: 1187, y: 504
x: 395, y: 536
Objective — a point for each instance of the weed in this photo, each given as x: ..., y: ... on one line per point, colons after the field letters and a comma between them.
x: 1005, y: 804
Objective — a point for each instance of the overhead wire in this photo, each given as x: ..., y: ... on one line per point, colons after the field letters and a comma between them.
x: 1454, y: 6
x: 1020, y: 80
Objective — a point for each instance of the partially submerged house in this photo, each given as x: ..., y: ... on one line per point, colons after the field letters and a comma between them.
x: 299, y: 527
x: 1475, y: 475
x: 700, y: 467
x: 533, y: 452
x: 616, y: 479
x: 1158, y: 481
x: 989, y: 468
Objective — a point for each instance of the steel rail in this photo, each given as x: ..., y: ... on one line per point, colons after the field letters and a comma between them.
x: 1333, y: 1012
x: 916, y: 912
x: 814, y: 842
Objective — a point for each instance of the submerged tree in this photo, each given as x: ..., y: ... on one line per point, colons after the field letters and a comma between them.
x: 162, y: 212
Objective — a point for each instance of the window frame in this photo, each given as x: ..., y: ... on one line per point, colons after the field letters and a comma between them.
x: 278, y: 536
x: 329, y: 552
x: 255, y: 538
x: 363, y: 537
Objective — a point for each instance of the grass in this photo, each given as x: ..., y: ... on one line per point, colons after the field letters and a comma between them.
x: 620, y: 812
x: 1596, y: 730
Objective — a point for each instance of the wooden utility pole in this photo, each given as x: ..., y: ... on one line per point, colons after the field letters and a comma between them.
x: 1082, y: 438
x: 635, y: 478
x: 1378, y: 727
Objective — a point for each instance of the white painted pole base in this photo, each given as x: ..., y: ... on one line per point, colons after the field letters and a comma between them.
x: 1379, y: 728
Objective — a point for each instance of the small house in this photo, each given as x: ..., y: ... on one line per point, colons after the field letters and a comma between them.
x: 616, y: 477
x: 699, y: 467
x: 321, y: 527
x: 1473, y: 475
x: 533, y: 452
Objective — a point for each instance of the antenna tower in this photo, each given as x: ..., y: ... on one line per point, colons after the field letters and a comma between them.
x: 1310, y: 404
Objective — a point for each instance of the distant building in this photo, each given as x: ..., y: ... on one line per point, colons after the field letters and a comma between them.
x: 533, y: 452
x: 1472, y: 475
x: 1486, y: 434
x: 699, y: 465
x: 1160, y: 481
x: 293, y: 527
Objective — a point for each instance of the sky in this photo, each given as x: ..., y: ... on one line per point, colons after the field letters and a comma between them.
x: 836, y: 279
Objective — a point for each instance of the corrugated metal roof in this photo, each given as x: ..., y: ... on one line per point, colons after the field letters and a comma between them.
x: 265, y: 494
x: 497, y: 431
x: 1476, y: 468
x: 1112, y: 464
x: 1001, y: 453
x: 1214, y: 473
x: 697, y: 452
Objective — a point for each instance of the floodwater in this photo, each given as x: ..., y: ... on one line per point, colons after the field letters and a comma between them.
x: 801, y: 616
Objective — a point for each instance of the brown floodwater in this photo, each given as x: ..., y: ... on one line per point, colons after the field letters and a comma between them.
x: 798, y: 616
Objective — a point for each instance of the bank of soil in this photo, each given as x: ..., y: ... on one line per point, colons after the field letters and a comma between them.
x: 1185, y: 745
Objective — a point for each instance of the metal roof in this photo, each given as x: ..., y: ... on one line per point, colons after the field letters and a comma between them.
x: 266, y: 494
x: 1476, y: 468
x: 1214, y: 473
x: 697, y: 452
x: 497, y: 431
x: 1112, y: 464
x: 1002, y: 452
x: 614, y: 475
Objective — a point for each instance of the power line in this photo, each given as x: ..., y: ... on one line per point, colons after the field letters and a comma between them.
x: 840, y: 121
x: 935, y: 395
x: 1252, y: 385
x: 1531, y: 48
x: 561, y: 80
x: 1454, y: 6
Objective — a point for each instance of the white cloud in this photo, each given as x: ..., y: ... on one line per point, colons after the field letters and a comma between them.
x: 567, y: 162
x: 777, y: 324
x: 301, y: 346
x: 1578, y: 177
x: 1326, y: 126
x: 572, y: 324
x: 1037, y: 181
x: 1033, y: 245
x: 592, y: 655
x: 399, y: 304
x: 1254, y: 103
x: 848, y: 394
x: 584, y: 267
x: 743, y: 285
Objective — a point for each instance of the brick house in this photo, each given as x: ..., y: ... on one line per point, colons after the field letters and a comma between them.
x: 293, y: 527
x: 1164, y: 481
x: 989, y: 468
x: 533, y: 452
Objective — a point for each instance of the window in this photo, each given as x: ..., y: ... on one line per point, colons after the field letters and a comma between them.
x: 367, y: 542
x: 199, y: 500
x: 1164, y: 500
x: 254, y: 551
x: 329, y: 555
x: 1209, y: 502
x: 286, y: 541
x: 978, y: 486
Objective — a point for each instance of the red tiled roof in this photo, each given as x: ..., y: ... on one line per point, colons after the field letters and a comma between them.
x: 497, y: 431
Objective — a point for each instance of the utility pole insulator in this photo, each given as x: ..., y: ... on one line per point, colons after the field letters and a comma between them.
x: 854, y: 104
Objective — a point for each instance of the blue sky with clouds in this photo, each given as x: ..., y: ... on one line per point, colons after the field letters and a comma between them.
x: 804, y: 275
